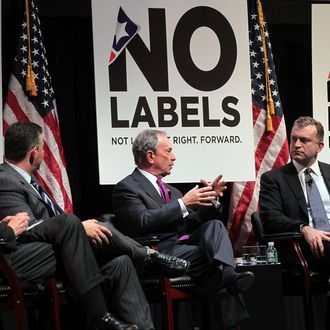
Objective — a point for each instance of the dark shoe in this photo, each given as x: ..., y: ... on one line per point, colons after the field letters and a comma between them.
x: 109, y: 322
x: 240, y: 282
x: 167, y: 265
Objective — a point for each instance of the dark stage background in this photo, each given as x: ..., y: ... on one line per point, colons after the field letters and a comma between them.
x: 67, y: 30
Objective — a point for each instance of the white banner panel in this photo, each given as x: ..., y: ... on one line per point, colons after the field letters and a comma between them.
x: 185, y: 70
x: 321, y: 71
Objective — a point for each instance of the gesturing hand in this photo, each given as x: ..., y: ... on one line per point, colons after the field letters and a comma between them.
x: 199, y: 196
x: 217, y: 185
x: 96, y: 233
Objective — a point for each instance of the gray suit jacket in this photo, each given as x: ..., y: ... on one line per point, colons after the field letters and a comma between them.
x: 17, y: 195
x: 282, y: 202
x: 140, y: 210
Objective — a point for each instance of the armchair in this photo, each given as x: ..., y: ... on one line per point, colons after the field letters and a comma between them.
x: 297, y: 277
x: 159, y: 288
x: 18, y: 296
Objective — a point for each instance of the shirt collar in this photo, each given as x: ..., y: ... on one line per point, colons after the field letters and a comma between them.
x: 315, y: 167
x: 149, y: 176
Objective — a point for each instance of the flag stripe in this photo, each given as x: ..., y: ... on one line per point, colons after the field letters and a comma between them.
x: 271, y: 149
x: 40, y: 108
x: 52, y: 165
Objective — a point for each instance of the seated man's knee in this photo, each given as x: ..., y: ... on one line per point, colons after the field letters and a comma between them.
x: 67, y: 221
x: 215, y: 224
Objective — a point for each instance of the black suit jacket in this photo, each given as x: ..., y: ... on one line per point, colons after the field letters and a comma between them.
x: 140, y: 210
x: 283, y: 206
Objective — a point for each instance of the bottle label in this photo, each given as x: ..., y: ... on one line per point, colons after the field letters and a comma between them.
x: 272, y: 257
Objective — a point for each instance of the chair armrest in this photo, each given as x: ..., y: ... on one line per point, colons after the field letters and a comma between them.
x: 281, y: 236
x: 147, y: 240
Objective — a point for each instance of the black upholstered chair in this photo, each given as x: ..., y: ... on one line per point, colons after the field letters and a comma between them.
x: 297, y: 277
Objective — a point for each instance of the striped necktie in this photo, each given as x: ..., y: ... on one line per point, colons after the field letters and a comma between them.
x: 53, y: 210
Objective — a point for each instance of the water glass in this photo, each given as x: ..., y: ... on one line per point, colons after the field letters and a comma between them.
x: 261, y: 254
x: 249, y: 255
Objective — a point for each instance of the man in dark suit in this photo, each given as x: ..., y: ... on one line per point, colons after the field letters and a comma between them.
x: 284, y: 202
x: 145, y: 205
x: 20, y: 192
x: 39, y: 255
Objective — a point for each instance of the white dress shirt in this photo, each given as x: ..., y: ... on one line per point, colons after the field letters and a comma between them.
x: 153, y: 180
x: 318, y: 178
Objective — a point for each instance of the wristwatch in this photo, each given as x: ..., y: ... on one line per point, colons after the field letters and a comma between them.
x: 301, y: 226
x: 216, y: 203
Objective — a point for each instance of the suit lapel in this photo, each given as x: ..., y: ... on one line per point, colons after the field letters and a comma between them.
x: 27, y: 186
x: 21, y: 180
x: 147, y: 187
x: 325, y: 170
x: 291, y: 176
x: 59, y: 209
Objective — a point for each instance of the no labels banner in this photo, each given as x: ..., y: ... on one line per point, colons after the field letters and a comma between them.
x: 178, y: 66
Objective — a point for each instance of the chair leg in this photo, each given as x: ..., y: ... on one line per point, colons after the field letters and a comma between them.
x: 167, y: 302
x: 169, y: 313
x: 19, y: 312
x: 54, y: 300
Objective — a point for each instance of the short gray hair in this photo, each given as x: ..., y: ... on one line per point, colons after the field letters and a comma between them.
x: 144, y: 141
x: 302, y: 122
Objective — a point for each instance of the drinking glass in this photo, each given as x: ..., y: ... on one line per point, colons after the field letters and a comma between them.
x: 249, y: 255
x: 261, y: 254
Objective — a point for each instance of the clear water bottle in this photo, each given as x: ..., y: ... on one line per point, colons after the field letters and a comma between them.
x: 271, y: 253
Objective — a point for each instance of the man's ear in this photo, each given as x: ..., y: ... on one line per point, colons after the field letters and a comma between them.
x: 321, y: 146
x: 32, y: 156
x: 150, y: 156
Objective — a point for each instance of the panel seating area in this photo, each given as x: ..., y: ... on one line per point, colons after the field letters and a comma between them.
x: 297, y: 277
x: 34, y: 303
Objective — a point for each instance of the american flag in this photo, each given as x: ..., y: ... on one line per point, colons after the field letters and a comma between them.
x: 126, y: 30
x: 270, y: 141
x: 35, y: 101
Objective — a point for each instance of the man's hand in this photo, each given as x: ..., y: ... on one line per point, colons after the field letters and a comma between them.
x: 314, y: 238
x: 217, y: 185
x: 199, y: 196
x: 18, y: 222
x: 96, y: 233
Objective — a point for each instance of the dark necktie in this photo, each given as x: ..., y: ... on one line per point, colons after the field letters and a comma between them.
x: 163, y: 191
x: 46, y: 198
x: 315, y: 203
